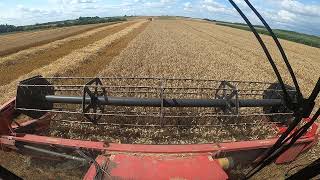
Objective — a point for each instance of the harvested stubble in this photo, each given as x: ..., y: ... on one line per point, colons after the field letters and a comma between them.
x: 42, y: 48
x: 15, y: 42
x: 98, y: 62
x: 157, y: 135
x: 29, y: 60
x: 71, y: 61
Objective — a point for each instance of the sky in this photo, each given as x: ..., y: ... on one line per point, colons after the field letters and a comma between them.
x: 297, y: 15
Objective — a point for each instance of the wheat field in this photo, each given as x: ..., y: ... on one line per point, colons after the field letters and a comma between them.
x: 164, y: 49
x: 201, y: 50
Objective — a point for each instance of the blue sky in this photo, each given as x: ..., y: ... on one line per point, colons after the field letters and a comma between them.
x: 297, y: 15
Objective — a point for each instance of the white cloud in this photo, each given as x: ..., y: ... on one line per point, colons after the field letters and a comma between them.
x: 296, y: 15
x: 297, y: 7
x: 86, y: 1
x: 241, y: 3
x: 286, y: 16
x: 167, y: 1
x: 213, y: 6
x: 158, y: 4
x: 72, y: 1
x: 187, y: 6
x: 32, y: 12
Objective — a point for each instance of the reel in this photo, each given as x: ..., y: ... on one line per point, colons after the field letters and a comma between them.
x: 151, y: 97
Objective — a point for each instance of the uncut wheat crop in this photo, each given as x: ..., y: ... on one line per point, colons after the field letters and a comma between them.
x: 189, y: 49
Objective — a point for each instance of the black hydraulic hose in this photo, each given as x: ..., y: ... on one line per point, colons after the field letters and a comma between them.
x: 282, y: 139
x: 271, y: 155
x: 315, y: 91
x: 276, y: 150
x: 6, y: 174
x: 283, y: 54
x: 286, y: 97
x: 308, y: 172
x: 302, y: 108
x: 52, y: 153
x: 276, y: 153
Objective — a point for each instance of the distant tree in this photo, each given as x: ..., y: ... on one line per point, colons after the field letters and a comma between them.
x: 4, y: 28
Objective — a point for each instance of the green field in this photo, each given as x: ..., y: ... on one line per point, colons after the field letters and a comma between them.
x: 306, y: 39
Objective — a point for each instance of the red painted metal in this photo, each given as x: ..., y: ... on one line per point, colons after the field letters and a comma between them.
x: 165, y: 167
x: 199, y: 148
x: 139, y: 148
x: 6, y: 115
x: 9, y: 136
x: 291, y: 154
x: 68, y: 143
x: 313, y: 130
x: 310, y: 133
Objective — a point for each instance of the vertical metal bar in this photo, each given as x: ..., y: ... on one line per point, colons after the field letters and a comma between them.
x: 223, y: 85
x: 95, y: 94
x: 162, y: 99
x: 83, y: 98
x: 237, y: 100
